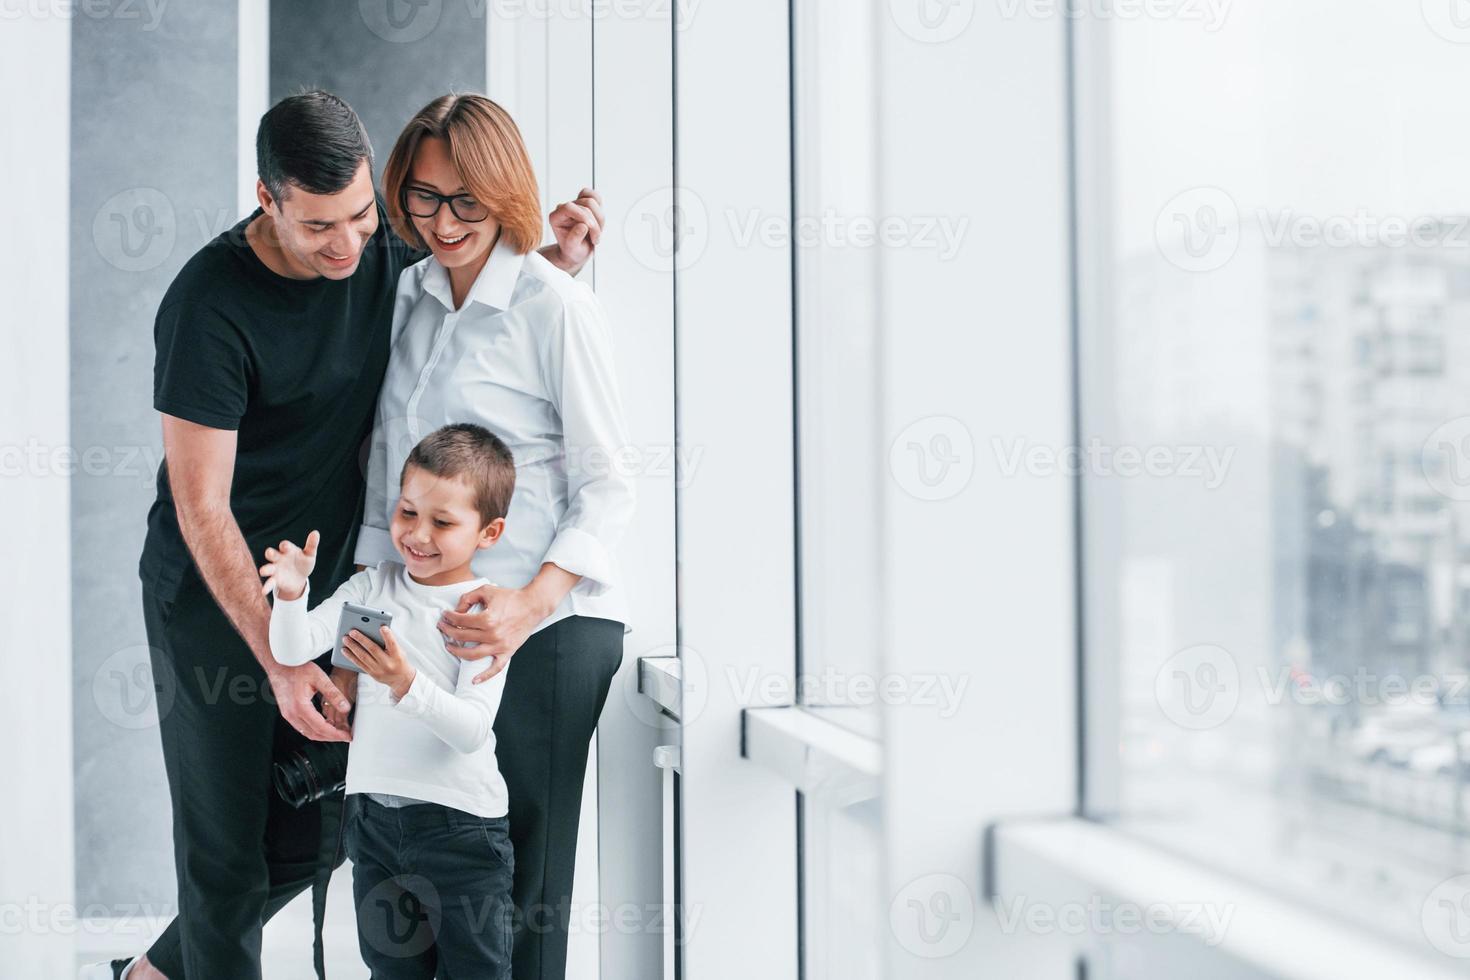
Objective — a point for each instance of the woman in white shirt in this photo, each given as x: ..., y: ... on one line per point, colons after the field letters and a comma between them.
x: 487, y: 331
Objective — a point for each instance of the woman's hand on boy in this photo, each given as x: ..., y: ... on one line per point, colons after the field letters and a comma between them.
x: 497, y: 630
x: 384, y: 663
x: 288, y: 567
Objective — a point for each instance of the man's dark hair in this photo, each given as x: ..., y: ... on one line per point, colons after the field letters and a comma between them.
x: 313, y: 141
x: 474, y: 454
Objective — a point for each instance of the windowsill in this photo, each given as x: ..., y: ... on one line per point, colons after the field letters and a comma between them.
x: 661, y: 680
x: 1071, y: 861
x: 821, y: 757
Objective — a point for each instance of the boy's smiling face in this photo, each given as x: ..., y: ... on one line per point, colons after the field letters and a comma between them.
x: 437, y: 528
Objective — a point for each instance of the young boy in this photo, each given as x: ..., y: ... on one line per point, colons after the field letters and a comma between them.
x: 426, y: 827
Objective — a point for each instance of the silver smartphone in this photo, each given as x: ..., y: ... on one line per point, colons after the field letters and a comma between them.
x: 366, y: 621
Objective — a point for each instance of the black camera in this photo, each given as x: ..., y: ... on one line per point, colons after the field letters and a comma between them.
x: 310, y: 772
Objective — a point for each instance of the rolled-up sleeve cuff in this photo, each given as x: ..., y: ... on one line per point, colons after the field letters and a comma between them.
x: 374, y: 546
x: 582, y: 554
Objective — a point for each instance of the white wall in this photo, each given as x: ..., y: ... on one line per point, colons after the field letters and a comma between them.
x: 36, y: 860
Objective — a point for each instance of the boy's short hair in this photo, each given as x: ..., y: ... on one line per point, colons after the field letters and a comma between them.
x: 474, y: 454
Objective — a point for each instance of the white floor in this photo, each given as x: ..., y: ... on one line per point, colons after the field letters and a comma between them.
x: 286, y: 947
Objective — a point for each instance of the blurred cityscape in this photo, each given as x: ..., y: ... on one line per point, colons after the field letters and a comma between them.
x: 1322, y: 589
x: 1370, y: 360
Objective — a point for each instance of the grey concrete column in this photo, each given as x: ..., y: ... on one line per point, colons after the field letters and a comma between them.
x: 387, y: 58
x: 153, y: 97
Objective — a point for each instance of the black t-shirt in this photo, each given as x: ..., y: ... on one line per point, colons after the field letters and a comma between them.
x: 294, y: 366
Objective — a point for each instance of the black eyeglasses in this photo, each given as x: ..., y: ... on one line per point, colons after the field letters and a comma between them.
x: 424, y: 203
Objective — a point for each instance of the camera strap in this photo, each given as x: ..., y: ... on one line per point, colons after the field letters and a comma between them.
x: 329, y: 855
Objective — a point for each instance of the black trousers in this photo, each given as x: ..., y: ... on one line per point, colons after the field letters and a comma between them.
x: 240, y: 852
x: 432, y: 887
x: 555, y: 687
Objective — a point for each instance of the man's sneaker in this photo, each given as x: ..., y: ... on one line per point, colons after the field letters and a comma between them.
x: 105, y: 971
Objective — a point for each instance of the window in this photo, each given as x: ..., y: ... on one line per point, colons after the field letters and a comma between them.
x: 1274, y: 338
x: 839, y: 459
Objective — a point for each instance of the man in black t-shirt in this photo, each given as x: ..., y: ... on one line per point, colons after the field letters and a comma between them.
x: 271, y: 346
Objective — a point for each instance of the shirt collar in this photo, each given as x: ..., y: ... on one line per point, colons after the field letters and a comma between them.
x: 493, y: 286
x: 439, y: 592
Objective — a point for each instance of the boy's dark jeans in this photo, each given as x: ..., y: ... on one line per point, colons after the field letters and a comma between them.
x: 432, y: 890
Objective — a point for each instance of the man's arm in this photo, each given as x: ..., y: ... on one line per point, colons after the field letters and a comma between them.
x: 201, y: 465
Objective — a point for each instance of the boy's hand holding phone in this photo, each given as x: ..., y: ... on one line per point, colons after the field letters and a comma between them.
x: 287, y: 567
x: 385, y: 663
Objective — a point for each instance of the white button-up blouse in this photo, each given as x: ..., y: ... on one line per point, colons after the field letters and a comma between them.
x: 529, y: 357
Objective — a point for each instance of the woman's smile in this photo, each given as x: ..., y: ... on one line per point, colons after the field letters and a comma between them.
x: 451, y: 244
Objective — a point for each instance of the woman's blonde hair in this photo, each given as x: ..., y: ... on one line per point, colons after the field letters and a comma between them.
x: 487, y: 150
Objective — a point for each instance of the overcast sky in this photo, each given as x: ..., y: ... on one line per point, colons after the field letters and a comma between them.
x: 1325, y: 107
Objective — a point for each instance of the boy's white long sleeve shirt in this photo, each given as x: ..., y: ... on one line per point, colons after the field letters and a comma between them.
x: 436, y: 743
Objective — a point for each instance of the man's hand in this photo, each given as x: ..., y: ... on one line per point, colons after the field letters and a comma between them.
x: 345, y: 681
x: 497, y: 630
x: 288, y: 567
x: 385, y: 664
x: 294, y: 687
x: 577, y: 226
